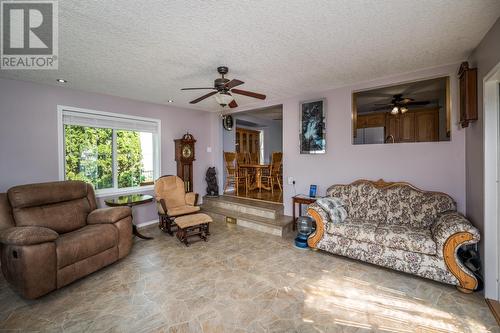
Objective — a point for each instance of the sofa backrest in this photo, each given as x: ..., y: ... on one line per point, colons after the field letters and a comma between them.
x: 61, y: 206
x: 393, y: 203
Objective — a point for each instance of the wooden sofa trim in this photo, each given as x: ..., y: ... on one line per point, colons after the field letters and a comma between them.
x: 314, y: 239
x: 382, y: 184
x: 467, y: 282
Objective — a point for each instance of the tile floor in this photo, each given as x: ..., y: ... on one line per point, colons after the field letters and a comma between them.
x: 244, y: 281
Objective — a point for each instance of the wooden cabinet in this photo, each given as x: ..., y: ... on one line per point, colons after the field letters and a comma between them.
x: 427, y: 126
x: 468, y: 94
x: 412, y: 126
x: 371, y: 120
x: 247, y: 141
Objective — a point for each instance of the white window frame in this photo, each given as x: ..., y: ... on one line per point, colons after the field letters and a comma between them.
x: 114, y: 190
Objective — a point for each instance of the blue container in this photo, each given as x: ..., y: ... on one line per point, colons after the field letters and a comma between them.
x: 304, y: 228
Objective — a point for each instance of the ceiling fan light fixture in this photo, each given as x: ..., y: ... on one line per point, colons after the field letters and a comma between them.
x: 403, y: 109
x: 223, y: 98
x: 395, y: 110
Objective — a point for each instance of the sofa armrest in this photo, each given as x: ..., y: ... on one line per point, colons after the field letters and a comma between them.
x: 321, y: 217
x: 27, y: 235
x: 451, y: 231
x: 191, y: 198
x: 108, y: 215
x: 450, y: 224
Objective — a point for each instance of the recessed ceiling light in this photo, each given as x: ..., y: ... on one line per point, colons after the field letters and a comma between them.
x: 170, y: 100
x: 61, y: 81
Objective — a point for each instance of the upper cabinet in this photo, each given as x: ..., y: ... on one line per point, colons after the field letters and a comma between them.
x: 410, y: 112
x: 468, y: 94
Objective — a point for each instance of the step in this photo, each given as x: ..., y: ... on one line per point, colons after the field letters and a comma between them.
x: 247, y: 206
x: 280, y: 226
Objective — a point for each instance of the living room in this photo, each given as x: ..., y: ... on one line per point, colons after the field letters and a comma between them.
x: 116, y: 112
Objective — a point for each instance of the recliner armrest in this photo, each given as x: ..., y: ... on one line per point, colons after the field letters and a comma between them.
x: 108, y: 215
x: 452, y: 223
x: 191, y: 198
x: 27, y: 235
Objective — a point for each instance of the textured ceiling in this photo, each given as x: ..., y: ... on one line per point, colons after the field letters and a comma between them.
x: 148, y: 50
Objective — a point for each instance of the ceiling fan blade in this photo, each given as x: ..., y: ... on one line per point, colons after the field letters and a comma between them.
x: 233, y: 104
x: 248, y: 93
x: 418, y: 103
x: 385, y: 104
x: 407, y: 100
x: 233, y: 83
x: 203, y: 97
x: 197, y: 88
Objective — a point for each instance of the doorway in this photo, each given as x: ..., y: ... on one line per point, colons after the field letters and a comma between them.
x: 491, y: 183
x: 252, y: 157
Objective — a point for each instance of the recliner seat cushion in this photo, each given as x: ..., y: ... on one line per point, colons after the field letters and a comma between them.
x: 85, y: 242
x: 405, y: 237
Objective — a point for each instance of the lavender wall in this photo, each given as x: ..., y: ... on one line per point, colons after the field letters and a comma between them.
x: 485, y: 57
x: 438, y: 166
x: 28, y: 133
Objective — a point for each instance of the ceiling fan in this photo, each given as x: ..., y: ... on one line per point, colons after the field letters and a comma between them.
x: 223, y: 87
x: 400, y: 104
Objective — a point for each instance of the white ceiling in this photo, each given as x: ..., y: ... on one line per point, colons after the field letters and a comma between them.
x: 148, y: 50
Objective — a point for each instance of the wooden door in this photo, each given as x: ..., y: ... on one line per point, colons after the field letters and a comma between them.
x: 427, y: 125
x: 391, y: 129
x: 407, y: 127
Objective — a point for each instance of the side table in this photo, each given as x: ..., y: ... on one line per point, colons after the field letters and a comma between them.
x: 300, y: 199
x: 131, y: 201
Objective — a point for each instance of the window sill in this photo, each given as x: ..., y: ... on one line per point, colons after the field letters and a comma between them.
x: 123, y: 191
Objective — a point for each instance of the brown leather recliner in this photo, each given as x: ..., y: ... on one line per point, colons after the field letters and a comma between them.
x: 52, y: 234
x: 172, y: 201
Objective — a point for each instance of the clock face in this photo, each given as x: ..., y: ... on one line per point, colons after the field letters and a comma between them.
x: 187, y: 152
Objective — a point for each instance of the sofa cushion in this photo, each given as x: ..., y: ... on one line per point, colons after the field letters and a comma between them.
x: 361, y: 230
x: 61, y: 217
x: 367, y: 202
x: 46, y: 193
x: 61, y: 206
x: 405, y: 237
x: 409, y: 206
x: 85, y: 242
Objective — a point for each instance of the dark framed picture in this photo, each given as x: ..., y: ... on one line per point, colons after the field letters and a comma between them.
x: 313, y: 127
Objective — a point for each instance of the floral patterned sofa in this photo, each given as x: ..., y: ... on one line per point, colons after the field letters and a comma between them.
x: 398, y: 226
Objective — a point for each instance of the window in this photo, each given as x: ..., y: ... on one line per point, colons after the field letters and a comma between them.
x: 115, y: 153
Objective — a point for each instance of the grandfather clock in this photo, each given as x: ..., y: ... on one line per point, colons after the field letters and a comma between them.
x: 184, y: 156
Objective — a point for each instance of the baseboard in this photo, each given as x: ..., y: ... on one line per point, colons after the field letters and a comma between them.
x: 145, y: 224
x: 495, y: 309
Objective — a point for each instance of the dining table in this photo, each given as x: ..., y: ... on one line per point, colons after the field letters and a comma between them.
x: 257, y: 181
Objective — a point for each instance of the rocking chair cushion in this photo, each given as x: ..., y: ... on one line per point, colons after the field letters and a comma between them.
x: 192, y: 220
x: 182, y: 210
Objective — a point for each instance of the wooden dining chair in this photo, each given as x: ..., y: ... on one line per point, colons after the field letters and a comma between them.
x: 272, y: 175
x: 233, y: 174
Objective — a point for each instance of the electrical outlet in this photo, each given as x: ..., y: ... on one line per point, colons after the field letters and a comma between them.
x: 291, y: 181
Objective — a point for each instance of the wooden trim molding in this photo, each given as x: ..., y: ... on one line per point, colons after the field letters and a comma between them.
x: 382, y: 184
x: 314, y: 239
x: 467, y: 282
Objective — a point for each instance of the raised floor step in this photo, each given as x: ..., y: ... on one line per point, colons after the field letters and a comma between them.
x: 279, y: 226
x: 245, y: 206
